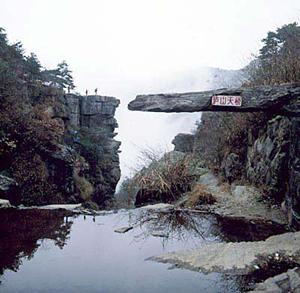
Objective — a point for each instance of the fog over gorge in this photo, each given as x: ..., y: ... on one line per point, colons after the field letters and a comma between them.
x: 157, y: 130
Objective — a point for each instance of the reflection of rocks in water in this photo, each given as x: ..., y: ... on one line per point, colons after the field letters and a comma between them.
x: 20, y: 231
x: 173, y: 224
x: 237, y: 229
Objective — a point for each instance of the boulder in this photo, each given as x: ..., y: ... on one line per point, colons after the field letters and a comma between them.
x: 4, y: 203
x: 6, y: 183
x: 8, y: 189
x: 232, y: 167
x: 183, y: 142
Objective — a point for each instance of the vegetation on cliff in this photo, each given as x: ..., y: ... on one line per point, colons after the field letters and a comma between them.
x: 53, y: 153
x: 27, y: 128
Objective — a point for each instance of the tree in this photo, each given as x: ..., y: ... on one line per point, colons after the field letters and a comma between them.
x: 60, y: 77
x: 279, y: 58
x: 33, y: 67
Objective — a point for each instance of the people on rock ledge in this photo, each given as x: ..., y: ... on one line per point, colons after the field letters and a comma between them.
x: 96, y: 92
x: 86, y: 91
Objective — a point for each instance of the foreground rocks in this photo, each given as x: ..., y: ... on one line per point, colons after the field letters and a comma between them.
x: 241, y: 208
x: 285, y: 282
x: 237, y: 258
x: 283, y: 98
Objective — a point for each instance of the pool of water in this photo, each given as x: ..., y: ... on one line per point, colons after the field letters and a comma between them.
x: 47, y: 251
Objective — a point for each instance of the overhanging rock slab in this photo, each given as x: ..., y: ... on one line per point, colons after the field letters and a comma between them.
x: 284, y: 99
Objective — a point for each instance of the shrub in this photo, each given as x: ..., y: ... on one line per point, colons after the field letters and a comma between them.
x: 32, y: 176
x: 84, y: 187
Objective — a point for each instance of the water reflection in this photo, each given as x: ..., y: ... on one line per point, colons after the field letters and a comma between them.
x: 174, y: 224
x: 93, y: 258
x: 22, y: 232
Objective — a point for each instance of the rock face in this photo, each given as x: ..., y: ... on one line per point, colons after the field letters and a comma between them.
x: 183, y: 142
x: 293, y: 187
x: 90, y: 132
x: 268, y: 156
x: 282, y: 99
x: 93, y: 112
x: 85, y: 165
x: 273, y: 161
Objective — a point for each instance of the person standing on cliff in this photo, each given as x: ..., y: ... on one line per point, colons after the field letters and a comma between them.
x: 96, y: 91
x: 86, y: 92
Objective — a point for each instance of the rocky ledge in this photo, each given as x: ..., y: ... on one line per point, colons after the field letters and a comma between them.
x: 283, y: 99
x: 239, y: 257
x: 240, y: 209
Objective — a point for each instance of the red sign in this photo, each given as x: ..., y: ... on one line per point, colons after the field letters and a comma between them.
x: 233, y: 101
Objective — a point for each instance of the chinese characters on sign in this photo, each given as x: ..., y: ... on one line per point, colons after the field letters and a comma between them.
x: 234, y: 101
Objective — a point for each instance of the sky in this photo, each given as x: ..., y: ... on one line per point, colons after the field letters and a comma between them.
x: 130, y: 47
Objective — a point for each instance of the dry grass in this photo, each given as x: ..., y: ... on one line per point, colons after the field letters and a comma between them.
x: 158, y: 178
x: 199, y: 195
x: 168, y: 177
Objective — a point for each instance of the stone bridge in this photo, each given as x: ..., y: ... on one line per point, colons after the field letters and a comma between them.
x: 282, y: 99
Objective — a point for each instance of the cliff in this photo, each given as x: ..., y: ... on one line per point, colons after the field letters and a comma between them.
x: 80, y: 163
x: 90, y: 132
x: 87, y: 165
